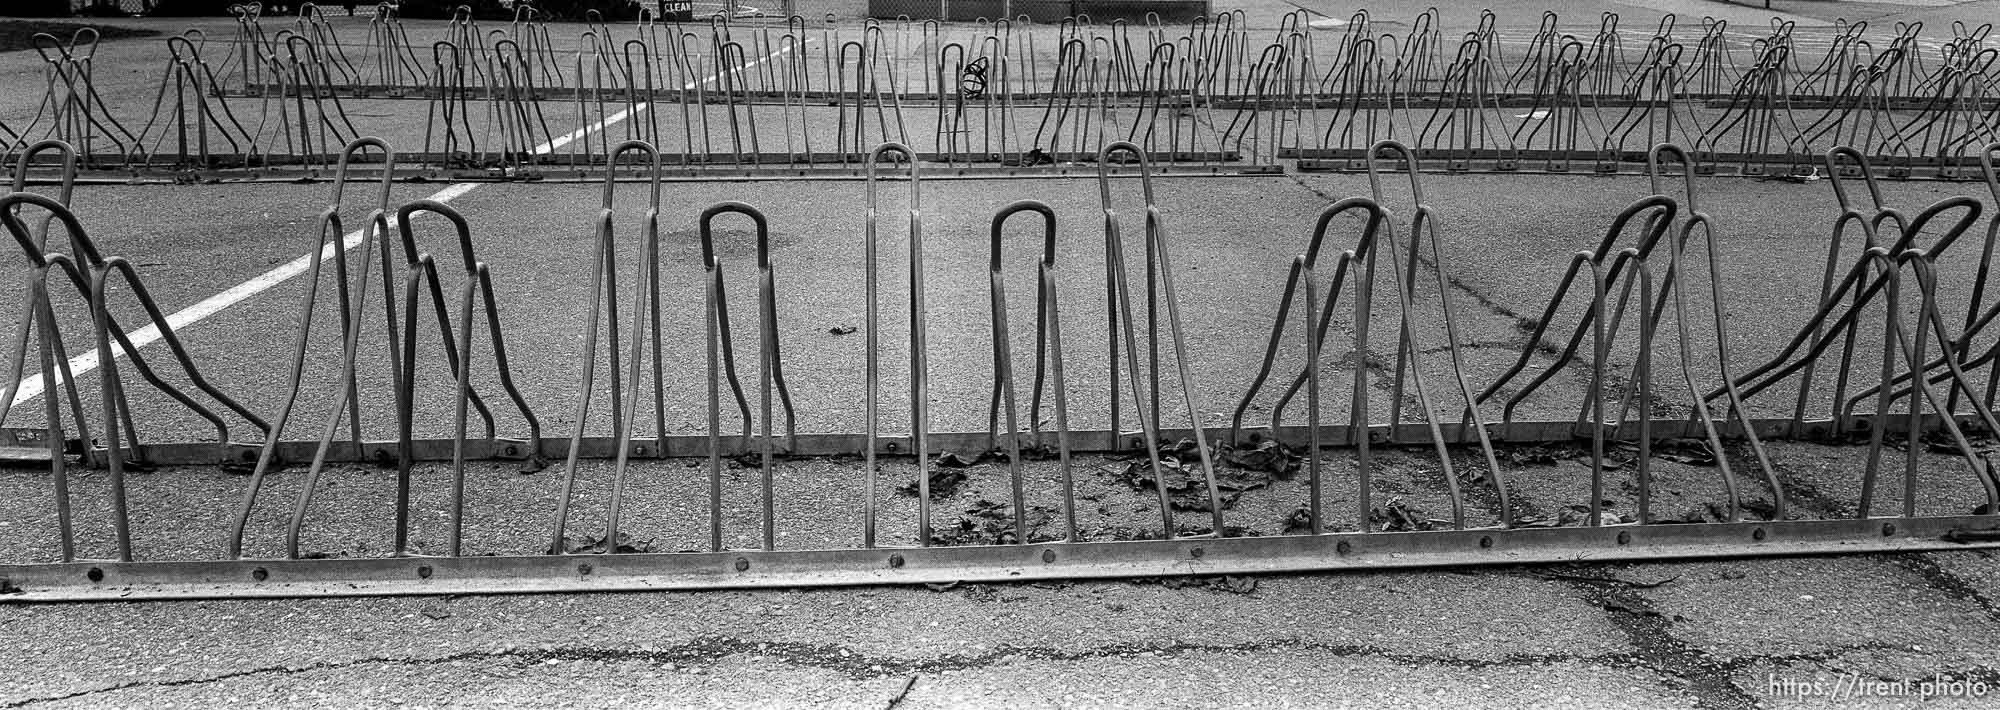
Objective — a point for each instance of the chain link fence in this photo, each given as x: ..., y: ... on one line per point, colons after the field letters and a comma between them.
x: 818, y: 9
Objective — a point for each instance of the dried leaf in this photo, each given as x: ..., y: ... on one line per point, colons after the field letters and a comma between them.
x: 1707, y: 513
x: 1938, y: 443
x: 1184, y: 482
x: 944, y: 484
x: 1536, y: 455
x: 755, y: 459
x: 1299, y: 521
x: 597, y: 546
x: 1237, y: 585
x: 990, y: 523
x: 952, y: 460
x: 1268, y: 456
x: 1761, y: 508
x: 1398, y: 516
x: 1692, y: 452
x: 1233, y: 584
x: 1184, y: 449
x: 1227, y: 531
x: 1039, y: 452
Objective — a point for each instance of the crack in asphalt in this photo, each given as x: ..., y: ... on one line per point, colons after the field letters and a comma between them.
x: 1666, y: 658
x: 1709, y: 678
x: 1579, y: 365
x: 1944, y: 580
x: 1924, y: 566
x: 1671, y: 659
x: 1801, y: 491
x: 1525, y: 327
x: 1478, y: 296
x: 1382, y: 376
x: 708, y: 649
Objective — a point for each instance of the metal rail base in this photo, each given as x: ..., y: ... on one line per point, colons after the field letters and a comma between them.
x: 1186, y: 555
x: 107, y: 581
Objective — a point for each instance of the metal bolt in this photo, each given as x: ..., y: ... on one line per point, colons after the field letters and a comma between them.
x: 424, y: 572
x: 1757, y: 534
x: 260, y: 574
x: 895, y: 560
x: 1343, y: 548
x: 1048, y: 556
x: 584, y: 568
x: 1485, y: 541
x: 1624, y: 538
x: 1197, y: 552
x: 742, y: 565
x: 1888, y: 529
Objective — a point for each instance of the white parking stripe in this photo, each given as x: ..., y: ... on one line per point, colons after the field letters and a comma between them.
x: 31, y: 386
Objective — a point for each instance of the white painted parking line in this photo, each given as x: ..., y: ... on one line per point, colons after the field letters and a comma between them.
x: 31, y: 386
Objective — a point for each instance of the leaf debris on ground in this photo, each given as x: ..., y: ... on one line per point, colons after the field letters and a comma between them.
x: 988, y: 523
x: 1572, y: 516
x: 1398, y: 516
x: 596, y: 545
x: 1299, y: 521
x: 1180, y: 474
x: 1693, y: 452
x: 1231, y: 583
x: 946, y: 476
